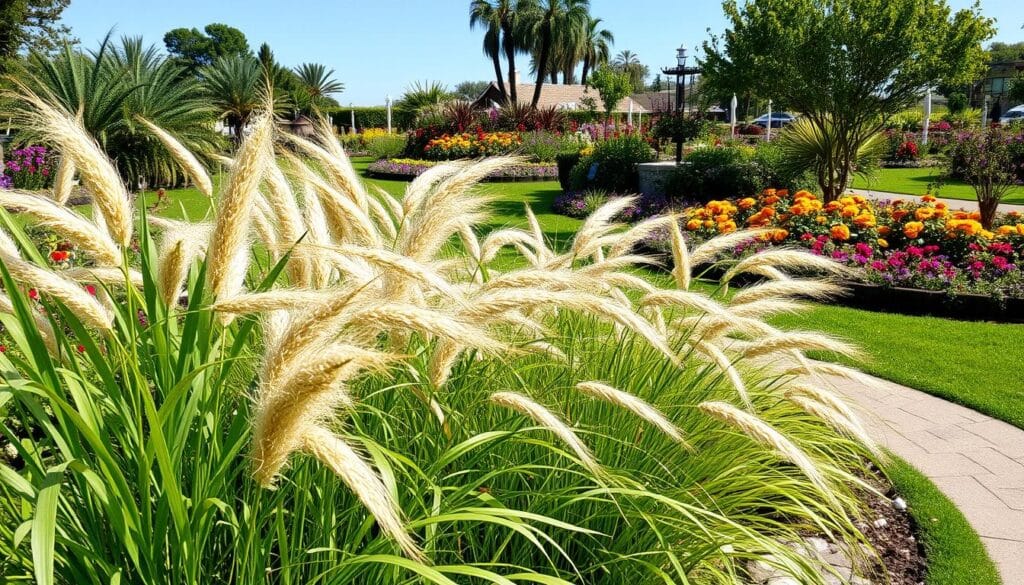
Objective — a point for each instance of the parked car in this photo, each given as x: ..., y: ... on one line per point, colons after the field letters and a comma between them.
x: 1014, y: 114
x: 779, y: 119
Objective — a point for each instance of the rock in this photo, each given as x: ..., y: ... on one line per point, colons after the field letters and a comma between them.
x: 900, y: 504
x: 880, y: 523
x: 817, y: 544
x: 761, y: 572
x: 783, y: 581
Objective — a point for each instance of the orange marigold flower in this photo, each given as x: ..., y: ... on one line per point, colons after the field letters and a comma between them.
x: 747, y: 202
x: 1020, y: 229
x: 771, y: 200
x: 924, y: 213
x: 693, y: 224
x: 883, y: 230
x: 987, y: 234
x: 850, y: 211
x: 821, y: 219
x: 941, y: 205
x: 726, y: 227
x: 927, y: 198
x: 803, y: 194
x: 779, y: 236
x: 840, y: 232
x: 847, y: 201
x: 1006, y: 230
x: 912, y: 229
x: 859, y: 199
x: 833, y: 206
x: 975, y: 215
x: 768, y: 192
x: 782, y: 192
x: 864, y: 220
x: 709, y: 224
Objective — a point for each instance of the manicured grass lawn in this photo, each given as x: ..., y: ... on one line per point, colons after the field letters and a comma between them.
x: 956, y: 556
x: 924, y: 180
x: 975, y: 364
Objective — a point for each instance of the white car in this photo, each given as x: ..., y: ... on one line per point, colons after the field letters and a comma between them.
x: 1015, y: 114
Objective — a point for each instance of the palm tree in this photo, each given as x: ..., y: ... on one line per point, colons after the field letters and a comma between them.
x: 110, y: 88
x: 625, y: 58
x: 316, y: 84
x: 547, y: 16
x: 628, y: 62
x: 486, y: 14
x: 233, y: 84
x: 596, y: 47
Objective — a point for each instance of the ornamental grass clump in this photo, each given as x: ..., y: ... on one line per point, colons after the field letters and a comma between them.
x: 393, y: 399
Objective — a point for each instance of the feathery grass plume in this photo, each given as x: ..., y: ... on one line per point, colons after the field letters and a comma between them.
x: 403, y: 267
x: 364, y: 482
x: 95, y: 169
x: 604, y: 265
x: 289, y: 222
x: 682, y: 270
x: 422, y: 185
x: 500, y: 302
x: 540, y: 248
x: 67, y: 223
x: 802, y: 341
x: 627, y: 281
x: 835, y: 413
x: 347, y: 220
x: 626, y: 241
x: 381, y: 217
x: 263, y: 225
x: 551, y: 422
x: 308, y: 394
x: 188, y: 161
x: 229, y: 243
x: 823, y: 370
x: 498, y: 239
x: 439, y: 369
x: 226, y: 161
x: 806, y: 288
x: 766, y: 435
x: 633, y: 404
x: 448, y: 205
x: 64, y: 180
x: 722, y: 361
x: 173, y: 265
x: 782, y: 258
x: 270, y: 301
x: 709, y: 250
x: 43, y: 324
x: 317, y: 234
x: 7, y: 245
x: 597, y: 224
x: 687, y: 299
x: 74, y: 297
x: 471, y: 244
x: 337, y: 167
x: 380, y: 317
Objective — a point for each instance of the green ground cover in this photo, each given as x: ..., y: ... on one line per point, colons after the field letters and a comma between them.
x: 925, y: 180
x: 956, y: 556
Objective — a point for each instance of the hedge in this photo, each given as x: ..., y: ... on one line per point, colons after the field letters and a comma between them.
x: 370, y: 117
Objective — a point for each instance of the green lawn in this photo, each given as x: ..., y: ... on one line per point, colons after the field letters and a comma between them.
x: 925, y: 180
x: 956, y: 556
x: 974, y: 364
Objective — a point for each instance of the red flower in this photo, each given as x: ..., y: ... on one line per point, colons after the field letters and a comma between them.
x: 33, y: 294
x: 80, y: 348
x: 3, y: 348
x: 90, y: 289
x: 59, y: 256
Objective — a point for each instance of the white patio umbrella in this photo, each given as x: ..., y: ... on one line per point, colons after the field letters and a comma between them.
x: 353, y: 117
x: 768, y: 135
x: 732, y: 116
x: 629, y: 119
x: 927, y: 116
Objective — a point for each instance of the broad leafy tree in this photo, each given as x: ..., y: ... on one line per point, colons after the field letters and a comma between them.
x: 612, y: 85
x: 470, y: 90
x: 847, y: 63
x: 30, y: 25
x: 197, y: 48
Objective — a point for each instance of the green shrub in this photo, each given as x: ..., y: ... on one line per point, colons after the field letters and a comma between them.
x: 386, y: 146
x: 370, y: 117
x: 566, y: 162
x: 616, y: 161
x: 543, y: 146
x: 717, y: 173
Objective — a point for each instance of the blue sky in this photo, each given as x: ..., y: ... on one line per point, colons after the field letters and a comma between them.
x: 378, y: 47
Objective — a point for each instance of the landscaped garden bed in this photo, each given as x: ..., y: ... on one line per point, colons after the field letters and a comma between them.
x: 408, y: 169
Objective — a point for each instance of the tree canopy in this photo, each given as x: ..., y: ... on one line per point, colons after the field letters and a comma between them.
x: 30, y: 25
x: 847, y: 63
x: 197, y: 48
x: 612, y: 85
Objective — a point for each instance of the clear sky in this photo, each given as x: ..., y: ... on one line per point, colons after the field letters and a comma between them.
x: 378, y: 47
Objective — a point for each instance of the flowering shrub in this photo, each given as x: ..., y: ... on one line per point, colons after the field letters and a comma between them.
x: 991, y: 161
x: 907, y: 151
x: 919, y: 243
x: 580, y: 204
x: 412, y: 167
x: 29, y: 168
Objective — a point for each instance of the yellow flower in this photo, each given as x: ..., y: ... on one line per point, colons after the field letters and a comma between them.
x: 864, y: 220
x: 693, y: 224
x: 912, y: 229
x: 882, y: 243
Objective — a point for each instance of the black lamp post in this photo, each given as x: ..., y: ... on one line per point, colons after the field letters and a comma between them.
x: 680, y: 71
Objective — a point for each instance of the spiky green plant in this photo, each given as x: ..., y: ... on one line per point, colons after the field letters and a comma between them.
x: 816, y: 145
x: 423, y: 411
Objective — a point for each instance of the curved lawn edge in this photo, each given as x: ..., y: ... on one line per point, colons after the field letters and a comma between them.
x: 953, y: 550
x: 407, y: 170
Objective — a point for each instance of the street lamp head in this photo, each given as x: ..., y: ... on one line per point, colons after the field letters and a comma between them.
x: 681, y: 55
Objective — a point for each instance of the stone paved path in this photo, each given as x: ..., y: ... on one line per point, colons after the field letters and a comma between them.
x: 976, y: 460
x: 971, y: 205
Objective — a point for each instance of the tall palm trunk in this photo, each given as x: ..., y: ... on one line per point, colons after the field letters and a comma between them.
x: 542, y: 60
x: 554, y: 77
x: 586, y: 70
x: 510, y: 55
x: 497, y: 74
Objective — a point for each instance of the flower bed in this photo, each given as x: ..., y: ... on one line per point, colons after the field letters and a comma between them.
x: 407, y: 169
x: 29, y: 168
x: 902, y: 243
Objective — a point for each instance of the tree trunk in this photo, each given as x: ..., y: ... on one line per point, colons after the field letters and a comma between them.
x: 510, y: 56
x: 586, y: 70
x: 554, y: 77
x: 988, y: 208
x: 545, y: 54
x: 501, y: 80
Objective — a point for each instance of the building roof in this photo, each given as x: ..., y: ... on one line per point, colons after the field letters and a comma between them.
x: 563, y: 97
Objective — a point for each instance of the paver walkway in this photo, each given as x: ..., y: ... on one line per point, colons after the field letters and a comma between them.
x: 976, y: 460
x: 971, y: 205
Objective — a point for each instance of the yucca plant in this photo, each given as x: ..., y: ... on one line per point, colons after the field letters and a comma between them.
x: 328, y: 384
x: 816, y: 145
